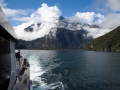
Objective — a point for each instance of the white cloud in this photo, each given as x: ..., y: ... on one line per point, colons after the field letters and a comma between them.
x: 86, y: 17
x: 47, y: 16
x: 25, y: 19
x: 100, y: 19
x: 13, y: 12
x: 111, y: 21
x: 2, y: 3
x: 96, y: 32
x: 106, y: 22
x: 113, y: 5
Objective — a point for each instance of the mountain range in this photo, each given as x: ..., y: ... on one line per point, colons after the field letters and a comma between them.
x: 62, y: 23
x: 69, y: 35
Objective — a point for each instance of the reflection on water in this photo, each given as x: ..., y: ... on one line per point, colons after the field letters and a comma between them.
x: 74, y: 70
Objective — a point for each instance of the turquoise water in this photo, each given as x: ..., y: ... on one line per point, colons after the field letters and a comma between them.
x: 73, y: 70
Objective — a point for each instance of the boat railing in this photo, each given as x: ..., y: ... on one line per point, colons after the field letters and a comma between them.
x: 21, y: 63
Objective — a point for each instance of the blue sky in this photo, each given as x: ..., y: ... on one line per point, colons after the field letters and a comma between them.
x: 68, y: 7
x: 22, y: 13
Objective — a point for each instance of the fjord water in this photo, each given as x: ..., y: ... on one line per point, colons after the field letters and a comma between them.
x: 73, y: 70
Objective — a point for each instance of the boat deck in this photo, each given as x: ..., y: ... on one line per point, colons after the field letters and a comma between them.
x: 23, y: 79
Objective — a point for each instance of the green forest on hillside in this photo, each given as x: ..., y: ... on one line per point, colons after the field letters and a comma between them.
x: 107, y: 42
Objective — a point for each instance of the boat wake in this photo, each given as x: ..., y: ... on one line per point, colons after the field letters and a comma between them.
x: 41, y: 72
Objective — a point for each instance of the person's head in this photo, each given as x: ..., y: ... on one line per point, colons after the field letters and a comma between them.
x: 19, y: 51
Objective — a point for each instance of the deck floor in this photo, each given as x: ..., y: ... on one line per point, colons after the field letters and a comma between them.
x: 22, y: 82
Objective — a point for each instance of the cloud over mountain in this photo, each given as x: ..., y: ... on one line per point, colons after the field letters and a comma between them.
x: 111, y: 20
x: 88, y: 17
x: 48, y: 18
x: 85, y: 17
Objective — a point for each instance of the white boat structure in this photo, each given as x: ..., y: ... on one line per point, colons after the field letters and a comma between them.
x: 13, y: 76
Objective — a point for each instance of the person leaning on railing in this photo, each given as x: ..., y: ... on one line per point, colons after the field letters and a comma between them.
x: 18, y: 56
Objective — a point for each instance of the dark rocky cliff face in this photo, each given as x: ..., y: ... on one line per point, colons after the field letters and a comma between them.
x: 64, y: 40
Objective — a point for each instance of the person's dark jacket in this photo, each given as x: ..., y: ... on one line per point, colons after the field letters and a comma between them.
x: 18, y: 55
